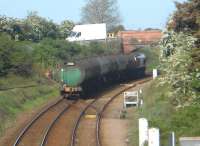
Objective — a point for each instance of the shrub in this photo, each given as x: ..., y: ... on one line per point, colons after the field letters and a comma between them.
x: 175, y: 63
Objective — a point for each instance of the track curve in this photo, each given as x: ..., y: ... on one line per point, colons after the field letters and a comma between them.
x: 31, y: 134
x: 99, y: 108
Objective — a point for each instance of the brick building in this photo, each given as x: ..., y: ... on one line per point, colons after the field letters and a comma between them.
x: 132, y: 39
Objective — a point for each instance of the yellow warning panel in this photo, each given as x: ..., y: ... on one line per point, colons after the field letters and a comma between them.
x: 90, y: 116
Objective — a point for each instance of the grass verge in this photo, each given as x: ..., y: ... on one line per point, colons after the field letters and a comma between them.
x: 18, y: 100
x: 161, y: 113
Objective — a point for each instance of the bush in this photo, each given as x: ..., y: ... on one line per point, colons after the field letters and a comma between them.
x: 6, y: 48
x: 175, y: 63
x: 50, y: 52
x: 161, y: 113
x: 15, y: 57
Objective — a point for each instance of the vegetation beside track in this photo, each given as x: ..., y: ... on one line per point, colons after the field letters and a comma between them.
x: 16, y: 101
x: 26, y: 58
x: 28, y: 50
x: 171, y: 102
x: 23, y: 63
x: 161, y: 113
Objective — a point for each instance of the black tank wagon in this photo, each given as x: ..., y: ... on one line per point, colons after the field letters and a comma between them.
x: 85, y: 76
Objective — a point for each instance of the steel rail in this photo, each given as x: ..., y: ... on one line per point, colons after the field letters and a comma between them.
x: 44, y: 140
x: 100, y: 114
x: 103, y: 109
x: 73, y: 138
x: 28, y: 126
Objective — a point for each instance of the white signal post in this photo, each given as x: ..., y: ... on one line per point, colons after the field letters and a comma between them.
x: 155, y: 73
x: 62, y: 70
x: 154, y: 137
x: 143, y: 131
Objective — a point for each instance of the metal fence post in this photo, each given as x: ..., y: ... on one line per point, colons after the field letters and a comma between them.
x: 172, y: 140
x: 143, y: 131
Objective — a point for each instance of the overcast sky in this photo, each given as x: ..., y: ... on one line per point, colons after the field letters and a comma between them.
x: 135, y: 13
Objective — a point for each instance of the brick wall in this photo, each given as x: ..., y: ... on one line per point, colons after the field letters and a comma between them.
x: 130, y: 39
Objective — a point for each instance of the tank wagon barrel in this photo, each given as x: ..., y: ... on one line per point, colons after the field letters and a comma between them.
x: 83, y: 76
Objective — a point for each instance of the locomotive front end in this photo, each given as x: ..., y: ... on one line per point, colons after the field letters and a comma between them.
x: 71, y: 78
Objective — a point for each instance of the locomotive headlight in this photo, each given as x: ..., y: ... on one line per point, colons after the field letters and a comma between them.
x: 67, y: 89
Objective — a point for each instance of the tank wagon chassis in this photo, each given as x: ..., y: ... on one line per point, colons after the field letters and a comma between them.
x: 90, y: 75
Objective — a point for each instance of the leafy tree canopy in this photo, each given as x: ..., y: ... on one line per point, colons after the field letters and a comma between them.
x: 101, y: 11
x: 34, y: 27
x: 187, y: 17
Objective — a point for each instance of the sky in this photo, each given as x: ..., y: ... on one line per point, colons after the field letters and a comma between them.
x: 136, y: 14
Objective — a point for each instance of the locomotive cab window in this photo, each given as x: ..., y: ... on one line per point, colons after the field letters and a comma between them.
x: 78, y: 34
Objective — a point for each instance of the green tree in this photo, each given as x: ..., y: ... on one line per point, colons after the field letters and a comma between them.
x: 65, y: 27
x: 187, y: 19
x: 101, y: 11
x: 22, y: 60
x: 175, y: 63
x: 15, y: 57
x: 41, y: 27
x: 6, y: 47
x: 34, y: 28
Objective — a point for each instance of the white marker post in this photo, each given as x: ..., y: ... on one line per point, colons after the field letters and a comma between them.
x: 143, y: 131
x: 154, y: 137
x: 141, y: 97
x: 172, y: 139
x: 62, y: 74
x: 155, y: 73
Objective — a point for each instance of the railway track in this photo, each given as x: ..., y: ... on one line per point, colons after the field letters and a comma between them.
x: 94, y: 110
x: 70, y: 123
x: 53, y: 123
x: 32, y: 133
x: 59, y: 132
x: 77, y: 124
x: 98, y: 123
